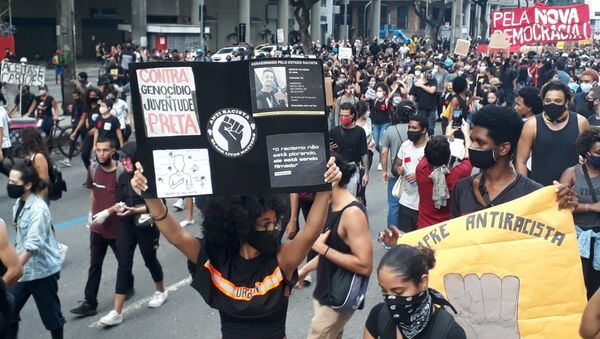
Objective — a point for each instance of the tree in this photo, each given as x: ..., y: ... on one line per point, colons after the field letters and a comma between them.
x: 302, y: 15
x: 434, y: 22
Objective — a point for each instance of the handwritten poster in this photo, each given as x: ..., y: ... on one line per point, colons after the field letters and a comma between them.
x: 168, y: 101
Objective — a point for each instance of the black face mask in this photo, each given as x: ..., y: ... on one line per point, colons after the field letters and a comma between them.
x: 15, y: 191
x: 482, y: 159
x: 91, y: 101
x: 104, y: 163
x: 554, y: 111
x: 590, y: 105
x: 414, y: 135
x: 266, y: 242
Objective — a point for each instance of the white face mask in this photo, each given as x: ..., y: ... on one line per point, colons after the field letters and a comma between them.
x: 586, y: 88
x: 103, y: 110
x: 42, y: 92
x: 417, y: 73
x: 379, y: 95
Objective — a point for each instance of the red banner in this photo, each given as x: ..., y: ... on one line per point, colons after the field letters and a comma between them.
x: 542, y: 23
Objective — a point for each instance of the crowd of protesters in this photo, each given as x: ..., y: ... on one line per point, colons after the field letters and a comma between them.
x: 478, y: 133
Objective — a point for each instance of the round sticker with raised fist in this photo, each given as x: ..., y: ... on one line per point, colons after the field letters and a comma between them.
x: 231, y: 132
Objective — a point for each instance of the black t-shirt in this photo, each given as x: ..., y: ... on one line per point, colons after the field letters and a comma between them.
x: 44, y: 107
x: 352, y: 142
x: 463, y: 200
x: 250, y: 294
x: 92, y: 116
x: 27, y: 100
x: 372, y: 325
x: 594, y: 121
x: 108, y: 127
x: 78, y: 108
x: 381, y: 112
x: 425, y: 100
x: 507, y: 78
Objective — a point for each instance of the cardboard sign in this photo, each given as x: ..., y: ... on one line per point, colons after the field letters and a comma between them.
x: 329, y: 100
x: 560, y: 45
x: 22, y: 74
x: 537, y: 49
x: 345, y: 53
x: 238, y: 128
x: 499, y: 40
x: 543, y: 23
x: 511, y: 271
x: 462, y: 47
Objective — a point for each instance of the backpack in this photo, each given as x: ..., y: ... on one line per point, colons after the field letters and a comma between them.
x: 56, y: 184
x: 441, y: 325
x: 94, y: 168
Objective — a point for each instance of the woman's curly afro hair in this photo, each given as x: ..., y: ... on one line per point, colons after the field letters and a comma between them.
x: 228, y: 221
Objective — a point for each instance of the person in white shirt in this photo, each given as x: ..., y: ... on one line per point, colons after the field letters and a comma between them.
x: 121, y: 110
x: 405, y: 165
x: 5, y: 139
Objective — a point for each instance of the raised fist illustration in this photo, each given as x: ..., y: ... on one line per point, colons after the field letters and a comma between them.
x: 487, y: 307
x: 232, y: 131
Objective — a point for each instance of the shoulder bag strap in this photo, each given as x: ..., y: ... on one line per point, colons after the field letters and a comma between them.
x: 589, y: 183
x: 484, y: 192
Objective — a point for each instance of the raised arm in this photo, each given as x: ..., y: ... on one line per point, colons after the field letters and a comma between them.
x: 185, y: 242
x: 293, y: 253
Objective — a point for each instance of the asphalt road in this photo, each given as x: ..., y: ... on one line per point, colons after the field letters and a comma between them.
x: 184, y: 315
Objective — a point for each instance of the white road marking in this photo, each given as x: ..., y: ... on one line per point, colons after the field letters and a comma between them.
x: 144, y: 302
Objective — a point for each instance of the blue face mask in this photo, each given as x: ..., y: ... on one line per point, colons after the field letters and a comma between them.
x: 594, y: 161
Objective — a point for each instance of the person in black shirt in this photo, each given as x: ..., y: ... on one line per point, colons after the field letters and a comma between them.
x: 424, y: 93
x: 45, y: 108
x: 108, y: 125
x: 593, y: 100
x: 87, y: 123
x: 350, y: 141
x: 409, y: 309
x: 28, y: 98
x: 77, y: 109
x: 239, y: 267
x: 132, y: 212
x: 495, y: 131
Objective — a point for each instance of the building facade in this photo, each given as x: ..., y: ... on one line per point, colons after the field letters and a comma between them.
x: 177, y: 23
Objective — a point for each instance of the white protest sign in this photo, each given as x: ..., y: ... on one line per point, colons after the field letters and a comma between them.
x: 22, y: 74
x: 345, y: 53
x: 182, y: 172
x: 168, y: 101
x: 280, y: 37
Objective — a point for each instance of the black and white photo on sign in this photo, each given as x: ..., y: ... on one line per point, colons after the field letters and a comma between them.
x: 182, y: 172
x: 271, y: 88
x: 231, y: 132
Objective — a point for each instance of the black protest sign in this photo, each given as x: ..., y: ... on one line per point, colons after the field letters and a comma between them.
x: 238, y: 128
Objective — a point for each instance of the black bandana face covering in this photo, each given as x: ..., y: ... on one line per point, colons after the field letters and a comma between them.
x: 412, y: 314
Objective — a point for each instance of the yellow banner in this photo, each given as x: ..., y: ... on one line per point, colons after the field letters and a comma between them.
x: 511, y: 271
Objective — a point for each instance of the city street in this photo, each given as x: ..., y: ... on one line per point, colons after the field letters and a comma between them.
x: 184, y: 315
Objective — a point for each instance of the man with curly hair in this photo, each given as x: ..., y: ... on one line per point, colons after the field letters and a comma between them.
x: 550, y: 137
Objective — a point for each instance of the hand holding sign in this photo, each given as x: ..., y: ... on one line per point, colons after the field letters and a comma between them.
x: 487, y: 306
x: 232, y: 131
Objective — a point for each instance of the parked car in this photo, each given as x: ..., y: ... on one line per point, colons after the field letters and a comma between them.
x: 265, y: 49
x: 223, y: 53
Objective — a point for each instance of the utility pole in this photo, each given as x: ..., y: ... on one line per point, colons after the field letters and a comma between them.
x: 66, y: 43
